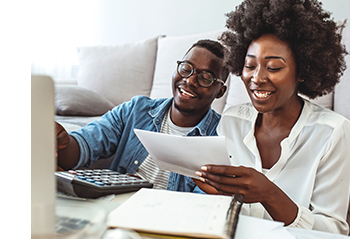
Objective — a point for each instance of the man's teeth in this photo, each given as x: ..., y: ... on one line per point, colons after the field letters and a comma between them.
x: 264, y: 94
x: 187, y: 93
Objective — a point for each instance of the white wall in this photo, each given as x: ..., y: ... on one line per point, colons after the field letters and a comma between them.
x: 132, y: 20
x: 60, y: 26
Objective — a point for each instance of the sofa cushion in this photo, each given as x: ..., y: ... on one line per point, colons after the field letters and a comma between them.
x: 75, y: 100
x: 237, y: 93
x: 171, y: 49
x: 118, y: 72
x: 342, y: 96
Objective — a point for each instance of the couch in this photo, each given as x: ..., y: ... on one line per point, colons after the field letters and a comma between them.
x: 110, y: 75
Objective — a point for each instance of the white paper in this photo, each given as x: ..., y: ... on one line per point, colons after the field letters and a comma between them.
x: 184, y: 155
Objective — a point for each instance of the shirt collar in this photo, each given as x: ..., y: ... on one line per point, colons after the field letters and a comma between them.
x: 201, y: 129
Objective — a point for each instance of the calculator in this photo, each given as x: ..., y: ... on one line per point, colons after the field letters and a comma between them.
x: 95, y: 183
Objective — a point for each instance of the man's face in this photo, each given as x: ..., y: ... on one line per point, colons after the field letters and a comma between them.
x: 189, y: 97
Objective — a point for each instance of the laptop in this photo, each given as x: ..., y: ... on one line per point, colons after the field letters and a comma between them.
x: 51, y: 215
x: 43, y: 189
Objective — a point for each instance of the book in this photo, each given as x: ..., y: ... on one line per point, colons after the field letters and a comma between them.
x: 184, y: 214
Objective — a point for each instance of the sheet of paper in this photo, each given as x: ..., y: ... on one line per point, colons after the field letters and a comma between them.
x: 188, y: 214
x: 184, y: 155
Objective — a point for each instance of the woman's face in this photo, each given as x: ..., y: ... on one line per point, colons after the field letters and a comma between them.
x: 270, y: 74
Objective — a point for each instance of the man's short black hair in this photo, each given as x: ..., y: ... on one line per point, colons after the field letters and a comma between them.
x: 214, y: 47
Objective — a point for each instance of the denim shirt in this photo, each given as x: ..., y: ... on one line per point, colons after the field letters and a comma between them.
x: 113, y: 134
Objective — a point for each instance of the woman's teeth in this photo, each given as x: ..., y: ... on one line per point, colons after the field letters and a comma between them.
x: 186, y: 93
x: 262, y: 94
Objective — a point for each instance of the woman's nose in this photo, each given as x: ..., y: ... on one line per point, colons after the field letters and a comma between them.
x: 259, y: 77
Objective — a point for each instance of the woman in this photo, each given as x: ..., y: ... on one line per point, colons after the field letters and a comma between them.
x: 291, y: 157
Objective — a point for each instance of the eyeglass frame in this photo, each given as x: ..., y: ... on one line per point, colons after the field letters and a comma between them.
x: 198, y: 72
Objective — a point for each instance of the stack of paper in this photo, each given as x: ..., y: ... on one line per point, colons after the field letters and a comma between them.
x: 184, y: 155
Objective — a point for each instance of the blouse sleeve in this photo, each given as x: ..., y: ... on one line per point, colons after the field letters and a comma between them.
x: 330, y: 197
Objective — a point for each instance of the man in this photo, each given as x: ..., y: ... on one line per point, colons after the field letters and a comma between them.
x: 198, y: 80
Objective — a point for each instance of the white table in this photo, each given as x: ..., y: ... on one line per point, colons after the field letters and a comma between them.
x: 109, y: 203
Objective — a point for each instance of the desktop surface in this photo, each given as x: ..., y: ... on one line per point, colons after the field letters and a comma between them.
x: 72, y: 207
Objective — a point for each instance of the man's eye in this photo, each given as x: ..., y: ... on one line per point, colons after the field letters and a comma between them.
x: 186, y: 69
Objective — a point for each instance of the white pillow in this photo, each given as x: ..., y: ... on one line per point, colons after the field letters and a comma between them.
x: 118, y: 72
x: 341, y: 95
x: 237, y: 93
x: 171, y: 49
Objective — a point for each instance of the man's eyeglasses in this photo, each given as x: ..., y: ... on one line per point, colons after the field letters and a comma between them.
x: 204, y: 78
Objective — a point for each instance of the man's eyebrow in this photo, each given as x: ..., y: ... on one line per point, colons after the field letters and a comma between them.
x: 269, y: 57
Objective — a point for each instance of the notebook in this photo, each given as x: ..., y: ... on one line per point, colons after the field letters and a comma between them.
x: 162, y: 212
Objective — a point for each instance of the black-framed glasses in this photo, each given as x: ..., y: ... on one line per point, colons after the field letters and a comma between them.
x: 204, y: 78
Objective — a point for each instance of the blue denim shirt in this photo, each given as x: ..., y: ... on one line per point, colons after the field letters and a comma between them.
x: 113, y: 134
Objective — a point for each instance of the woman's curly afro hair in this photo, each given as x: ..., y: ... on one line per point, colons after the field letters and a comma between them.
x: 314, y: 39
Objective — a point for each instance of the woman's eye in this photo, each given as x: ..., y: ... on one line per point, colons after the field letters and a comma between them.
x: 274, y: 68
x: 249, y: 67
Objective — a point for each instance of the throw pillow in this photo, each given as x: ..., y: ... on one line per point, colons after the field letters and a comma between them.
x: 118, y: 72
x: 77, y: 101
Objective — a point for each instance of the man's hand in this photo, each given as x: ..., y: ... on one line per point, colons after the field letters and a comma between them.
x: 62, y: 140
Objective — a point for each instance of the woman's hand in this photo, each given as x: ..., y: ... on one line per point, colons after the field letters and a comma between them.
x: 227, y: 180
x: 205, y: 187
x: 253, y: 185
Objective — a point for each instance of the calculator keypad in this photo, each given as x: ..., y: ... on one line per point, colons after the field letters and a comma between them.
x: 94, y: 183
x: 106, y: 177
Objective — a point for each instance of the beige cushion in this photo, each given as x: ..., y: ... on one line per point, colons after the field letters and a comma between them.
x: 75, y: 100
x: 171, y: 49
x: 342, y: 95
x: 118, y: 72
x: 237, y: 93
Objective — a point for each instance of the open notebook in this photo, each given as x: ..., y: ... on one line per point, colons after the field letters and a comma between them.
x: 165, y: 212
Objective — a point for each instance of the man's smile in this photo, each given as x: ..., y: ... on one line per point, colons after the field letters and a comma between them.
x: 186, y: 93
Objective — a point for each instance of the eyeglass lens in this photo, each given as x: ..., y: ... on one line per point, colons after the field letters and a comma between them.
x: 204, y: 78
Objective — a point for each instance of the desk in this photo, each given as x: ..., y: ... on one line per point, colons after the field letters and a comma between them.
x: 109, y: 203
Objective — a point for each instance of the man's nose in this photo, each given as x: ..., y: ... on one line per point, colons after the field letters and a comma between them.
x: 192, y: 80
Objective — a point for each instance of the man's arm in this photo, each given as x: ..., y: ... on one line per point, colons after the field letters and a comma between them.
x: 67, y: 149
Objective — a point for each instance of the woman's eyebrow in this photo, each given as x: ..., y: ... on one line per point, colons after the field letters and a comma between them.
x: 275, y: 57
x: 268, y: 57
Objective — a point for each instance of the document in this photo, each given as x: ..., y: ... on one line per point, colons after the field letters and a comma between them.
x: 184, y: 155
x: 189, y: 215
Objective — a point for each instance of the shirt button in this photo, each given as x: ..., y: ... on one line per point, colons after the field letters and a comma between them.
x: 136, y: 162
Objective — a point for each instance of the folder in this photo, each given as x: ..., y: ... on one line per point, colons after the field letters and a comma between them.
x: 170, y: 214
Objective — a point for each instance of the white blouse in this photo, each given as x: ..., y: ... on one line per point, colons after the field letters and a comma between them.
x: 313, y: 168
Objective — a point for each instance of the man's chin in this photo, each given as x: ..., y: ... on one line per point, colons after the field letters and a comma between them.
x: 183, y: 109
